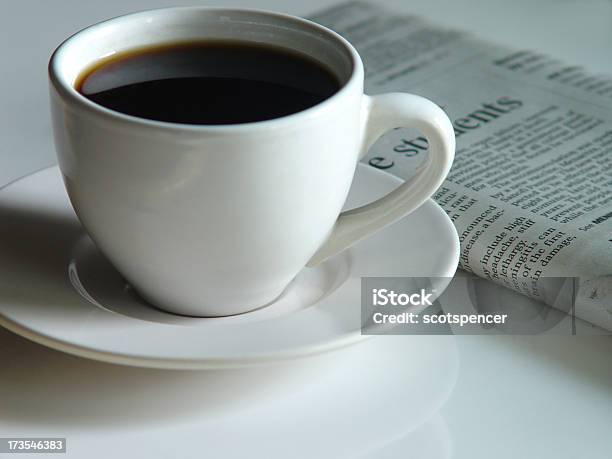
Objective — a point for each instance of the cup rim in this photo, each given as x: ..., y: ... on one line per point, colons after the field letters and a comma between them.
x: 68, y: 92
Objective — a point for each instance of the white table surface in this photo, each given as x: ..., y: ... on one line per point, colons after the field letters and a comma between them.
x: 525, y: 397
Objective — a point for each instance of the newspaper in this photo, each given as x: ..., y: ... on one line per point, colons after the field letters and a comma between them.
x: 530, y: 191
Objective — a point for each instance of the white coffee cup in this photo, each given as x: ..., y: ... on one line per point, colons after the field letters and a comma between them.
x: 217, y: 220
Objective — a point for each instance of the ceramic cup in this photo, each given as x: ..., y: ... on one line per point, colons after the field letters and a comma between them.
x: 217, y: 220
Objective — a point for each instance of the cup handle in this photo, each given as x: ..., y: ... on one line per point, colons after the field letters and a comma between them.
x: 381, y: 114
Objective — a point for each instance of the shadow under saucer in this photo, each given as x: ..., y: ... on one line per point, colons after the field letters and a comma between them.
x: 341, y: 404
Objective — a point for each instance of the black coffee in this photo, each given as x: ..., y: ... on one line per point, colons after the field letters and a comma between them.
x: 208, y: 82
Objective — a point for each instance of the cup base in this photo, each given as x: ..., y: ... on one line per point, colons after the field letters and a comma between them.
x: 220, y: 309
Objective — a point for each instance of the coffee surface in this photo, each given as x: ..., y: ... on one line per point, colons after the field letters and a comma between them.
x: 208, y: 82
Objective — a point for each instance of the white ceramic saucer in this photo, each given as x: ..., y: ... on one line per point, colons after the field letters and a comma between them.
x: 58, y: 290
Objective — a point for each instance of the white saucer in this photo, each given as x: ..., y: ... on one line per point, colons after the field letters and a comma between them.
x: 58, y: 290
